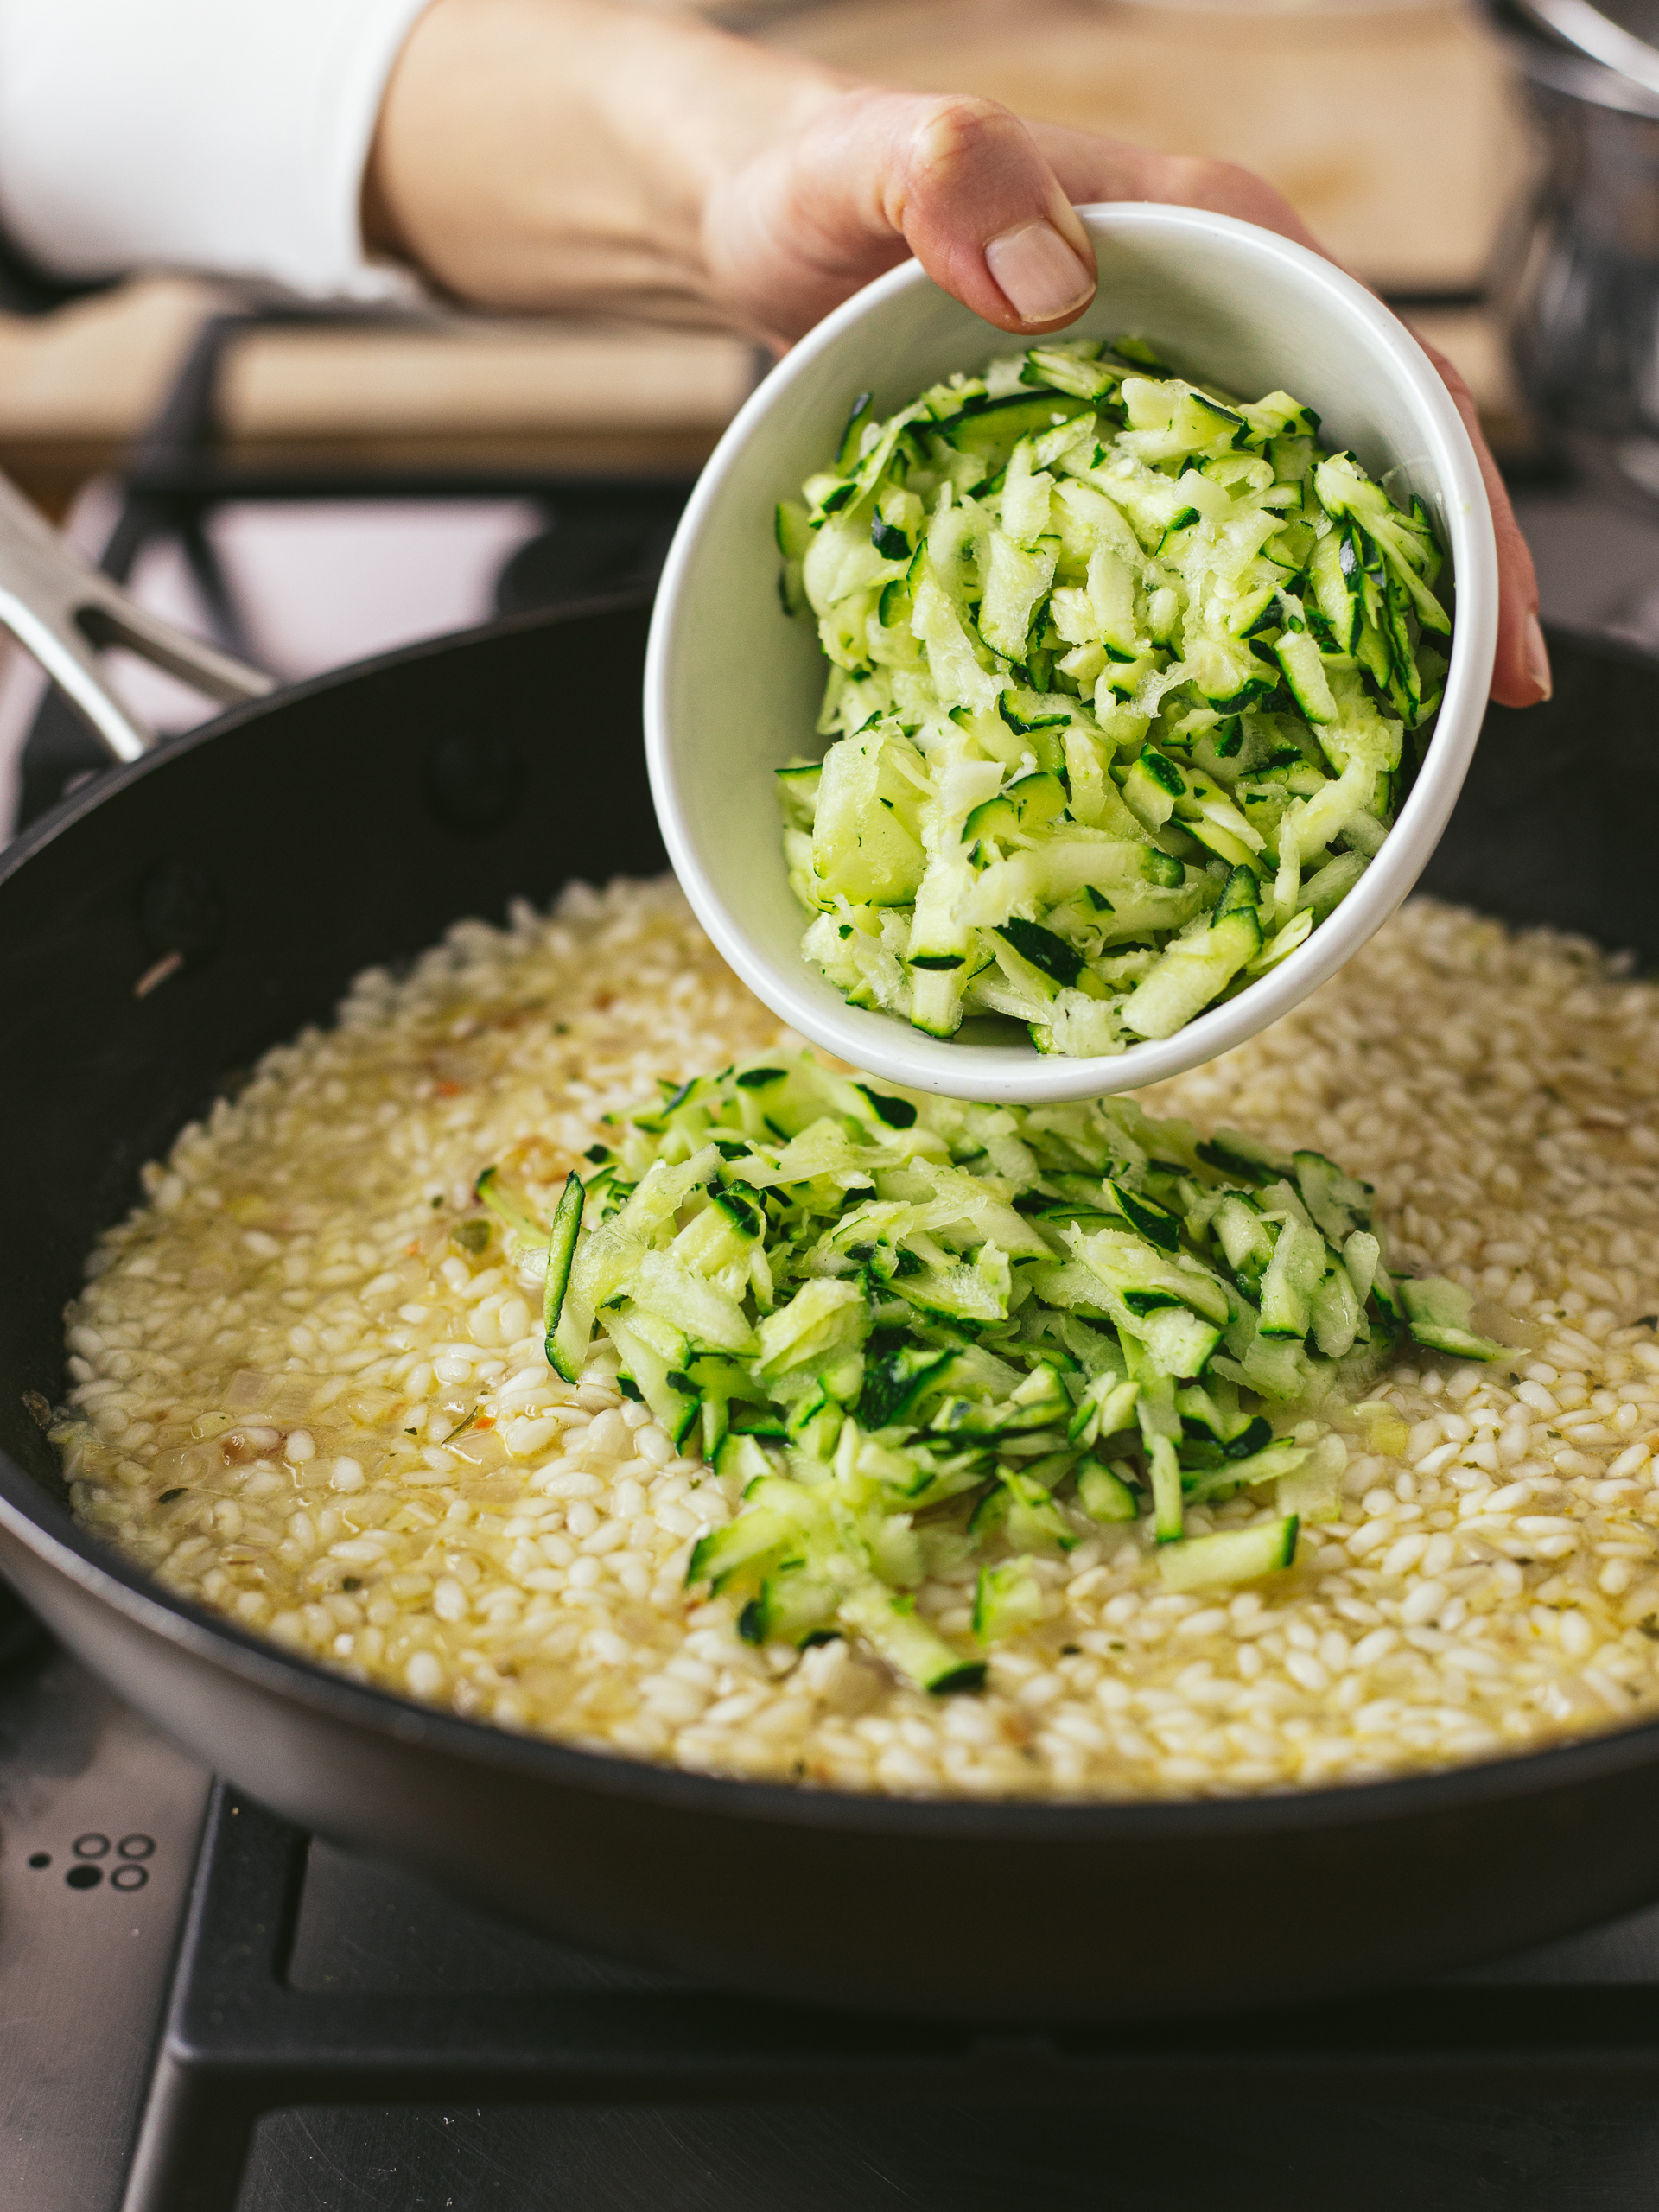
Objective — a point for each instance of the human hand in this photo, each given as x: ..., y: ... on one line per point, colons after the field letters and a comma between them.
x: 564, y: 153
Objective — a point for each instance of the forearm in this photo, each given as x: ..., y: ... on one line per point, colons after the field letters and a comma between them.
x: 541, y: 153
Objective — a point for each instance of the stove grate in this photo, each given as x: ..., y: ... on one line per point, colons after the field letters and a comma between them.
x: 240, y: 2041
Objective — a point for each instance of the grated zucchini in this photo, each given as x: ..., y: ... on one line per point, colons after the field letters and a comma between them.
x: 1114, y: 660
x: 927, y: 1336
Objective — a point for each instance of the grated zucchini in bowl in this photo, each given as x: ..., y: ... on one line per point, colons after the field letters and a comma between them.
x: 1122, y: 672
x: 915, y: 1328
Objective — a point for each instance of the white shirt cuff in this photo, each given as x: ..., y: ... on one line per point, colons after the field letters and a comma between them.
x: 228, y: 136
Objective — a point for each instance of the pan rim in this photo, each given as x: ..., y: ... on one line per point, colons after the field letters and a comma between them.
x: 31, y: 1517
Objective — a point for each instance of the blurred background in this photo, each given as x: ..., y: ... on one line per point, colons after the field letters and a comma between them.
x: 311, y: 487
x: 1396, y: 129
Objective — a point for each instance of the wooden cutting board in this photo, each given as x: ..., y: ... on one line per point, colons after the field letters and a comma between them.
x: 1393, y: 130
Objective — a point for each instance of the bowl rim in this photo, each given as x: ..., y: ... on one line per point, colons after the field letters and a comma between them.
x: 891, y: 1049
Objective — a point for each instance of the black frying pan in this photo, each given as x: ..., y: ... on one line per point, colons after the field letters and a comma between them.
x: 347, y: 821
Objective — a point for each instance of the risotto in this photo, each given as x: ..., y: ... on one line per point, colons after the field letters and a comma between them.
x: 305, y: 1394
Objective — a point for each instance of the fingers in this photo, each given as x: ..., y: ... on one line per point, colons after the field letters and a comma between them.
x: 1087, y: 168
x: 986, y: 218
x: 982, y: 198
x: 1521, y: 674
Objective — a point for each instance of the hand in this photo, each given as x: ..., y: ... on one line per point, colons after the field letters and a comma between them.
x: 557, y: 153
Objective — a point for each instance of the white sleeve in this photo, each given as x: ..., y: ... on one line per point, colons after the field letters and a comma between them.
x: 217, y: 135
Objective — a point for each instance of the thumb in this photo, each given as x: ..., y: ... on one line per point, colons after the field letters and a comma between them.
x: 983, y: 212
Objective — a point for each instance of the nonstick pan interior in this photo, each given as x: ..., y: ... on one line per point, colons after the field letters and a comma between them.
x: 242, y: 880
x: 353, y: 828
x: 1556, y: 821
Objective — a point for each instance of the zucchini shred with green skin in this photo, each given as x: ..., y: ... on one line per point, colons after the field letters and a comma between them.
x: 1122, y: 673
x: 923, y: 1333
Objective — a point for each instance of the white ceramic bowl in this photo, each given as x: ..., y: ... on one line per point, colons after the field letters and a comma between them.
x: 733, y: 685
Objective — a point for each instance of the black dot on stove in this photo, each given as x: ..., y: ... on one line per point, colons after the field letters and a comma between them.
x: 84, y: 1877
x: 40, y: 1859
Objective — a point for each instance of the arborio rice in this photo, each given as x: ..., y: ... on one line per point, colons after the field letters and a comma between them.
x: 274, y: 1358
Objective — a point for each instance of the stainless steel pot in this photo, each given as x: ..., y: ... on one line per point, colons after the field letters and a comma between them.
x: 1578, y: 275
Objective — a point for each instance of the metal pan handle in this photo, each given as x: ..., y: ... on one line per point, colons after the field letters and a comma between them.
x: 61, y: 610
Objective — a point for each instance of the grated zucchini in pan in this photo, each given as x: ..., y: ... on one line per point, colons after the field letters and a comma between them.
x: 1122, y: 676
x: 910, y: 1325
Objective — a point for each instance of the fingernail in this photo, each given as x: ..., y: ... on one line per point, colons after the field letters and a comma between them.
x: 1037, y: 273
x: 1538, y: 658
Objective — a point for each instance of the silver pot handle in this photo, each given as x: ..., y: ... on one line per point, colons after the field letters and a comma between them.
x: 62, y: 610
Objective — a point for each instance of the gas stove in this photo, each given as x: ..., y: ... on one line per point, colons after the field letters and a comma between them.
x: 202, y: 2010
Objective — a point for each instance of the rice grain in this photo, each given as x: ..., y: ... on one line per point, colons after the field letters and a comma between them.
x: 295, y: 1395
